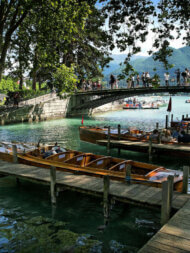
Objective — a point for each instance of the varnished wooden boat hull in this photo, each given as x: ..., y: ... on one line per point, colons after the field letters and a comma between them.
x: 93, y: 134
x: 98, y: 166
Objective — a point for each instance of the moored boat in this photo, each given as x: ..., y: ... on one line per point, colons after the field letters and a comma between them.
x: 95, y: 165
x: 92, y: 134
x: 141, y: 106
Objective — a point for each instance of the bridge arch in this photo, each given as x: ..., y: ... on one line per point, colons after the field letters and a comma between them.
x: 88, y: 100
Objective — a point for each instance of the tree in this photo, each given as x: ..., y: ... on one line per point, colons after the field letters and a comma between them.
x: 12, y: 15
x: 89, y: 47
x: 132, y: 21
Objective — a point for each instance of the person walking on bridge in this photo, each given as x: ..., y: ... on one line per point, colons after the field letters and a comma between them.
x: 112, y: 81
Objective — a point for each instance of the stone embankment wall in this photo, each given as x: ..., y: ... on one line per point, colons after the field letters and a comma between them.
x: 52, y: 109
x: 45, y: 108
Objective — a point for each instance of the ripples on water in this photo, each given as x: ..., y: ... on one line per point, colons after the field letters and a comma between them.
x: 27, y: 223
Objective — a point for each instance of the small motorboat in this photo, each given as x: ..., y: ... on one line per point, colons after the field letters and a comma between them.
x: 187, y: 101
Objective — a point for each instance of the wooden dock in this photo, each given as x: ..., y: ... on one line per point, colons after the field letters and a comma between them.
x: 120, y: 191
x: 174, y: 236
x: 162, y: 149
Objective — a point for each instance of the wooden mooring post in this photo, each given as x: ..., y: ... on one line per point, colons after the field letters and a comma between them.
x: 159, y: 137
x: 128, y: 174
x: 172, y: 118
x: 150, y: 149
x: 15, y: 157
x: 186, y: 115
x: 157, y: 125
x: 183, y: 117
x: 166, y: 124
x: 108, y: 144
x: 106, y: 199
x: 185, y: 179
x: 167, y: 194
x: 119, y: 137
x: 53, y: 184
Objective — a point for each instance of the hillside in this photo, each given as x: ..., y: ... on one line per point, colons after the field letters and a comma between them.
x: 180, y: 59
x: 117, y: 59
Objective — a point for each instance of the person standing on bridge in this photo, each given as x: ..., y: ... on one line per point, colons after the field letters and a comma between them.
x: 138, y: 80
x: 112, y: 81
x: 143, y: 79
x: 178, y: 74
x: 167, y: 77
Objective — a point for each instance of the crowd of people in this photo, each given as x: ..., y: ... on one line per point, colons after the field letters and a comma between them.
x: 177, y: 135
x: 145, y: 80
x: 86, y: 85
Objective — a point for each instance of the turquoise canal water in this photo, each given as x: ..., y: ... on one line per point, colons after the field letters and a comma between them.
x: 29, y: 224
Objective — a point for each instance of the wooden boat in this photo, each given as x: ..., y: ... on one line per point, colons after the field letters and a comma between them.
x: 97, y: 165
x: 92, y: 134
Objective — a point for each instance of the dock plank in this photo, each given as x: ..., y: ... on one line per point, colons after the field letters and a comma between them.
x: 160, y: 247
x: 174, y: 236
x: 138, y: 146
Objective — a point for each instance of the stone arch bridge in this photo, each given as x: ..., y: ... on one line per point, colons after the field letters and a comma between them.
x: 85, y: 102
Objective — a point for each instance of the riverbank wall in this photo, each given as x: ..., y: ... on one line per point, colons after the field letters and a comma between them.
x: 40, y: 109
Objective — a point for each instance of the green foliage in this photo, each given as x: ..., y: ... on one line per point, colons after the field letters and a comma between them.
x: 64, y: 79
x: 155, y: 81
x: 8, y: 84
x: 28, y: 94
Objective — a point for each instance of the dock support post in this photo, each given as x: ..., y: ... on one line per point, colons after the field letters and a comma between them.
x: 150, y: 149
x: 128, y: 174
x: 106, y: 199
x: 15, y: 157
x: 157, y: 125
x: 172, y: 118
x: 171, y: 185
x: 52, y: 184
x: 166, y: 126
x: 186, y: 115
x: 185, y: 179
x: 167, y: 193
x: 182, y: 117
x: 159, y: 138
x: 108, y: 144
x: 119, y: 137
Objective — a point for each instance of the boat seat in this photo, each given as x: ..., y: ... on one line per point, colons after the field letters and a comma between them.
x: 100, y: 163
x: 120, y: 166
x: 79, y: 159
x: 62, y: 156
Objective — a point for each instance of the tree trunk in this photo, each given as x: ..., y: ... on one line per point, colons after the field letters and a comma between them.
x: 39, y: 81
x: 34, y: 80
x: 21, y: 82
